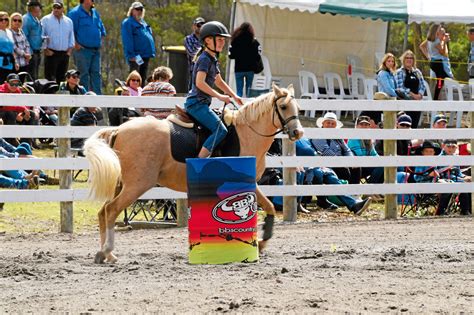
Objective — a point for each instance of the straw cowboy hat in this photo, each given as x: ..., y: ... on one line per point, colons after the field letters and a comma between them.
x: 328, y: 116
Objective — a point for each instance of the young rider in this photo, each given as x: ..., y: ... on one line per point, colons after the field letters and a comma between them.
x: 206, y: 73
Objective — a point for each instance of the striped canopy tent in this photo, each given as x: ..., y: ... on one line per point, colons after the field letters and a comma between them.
x: 454, y: 11
x: 318, y: 35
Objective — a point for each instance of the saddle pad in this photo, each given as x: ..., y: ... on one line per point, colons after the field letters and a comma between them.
x: 184, y: 142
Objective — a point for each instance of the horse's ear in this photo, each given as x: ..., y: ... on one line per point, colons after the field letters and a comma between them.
x: 276, y: 89
x: 291, y: 89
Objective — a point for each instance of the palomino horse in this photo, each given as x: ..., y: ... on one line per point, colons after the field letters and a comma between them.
x: 128, y: 160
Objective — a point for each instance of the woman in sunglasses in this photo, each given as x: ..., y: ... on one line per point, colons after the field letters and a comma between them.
x: 137, y: 40
x: 22, y: 46
x: 7, y: 59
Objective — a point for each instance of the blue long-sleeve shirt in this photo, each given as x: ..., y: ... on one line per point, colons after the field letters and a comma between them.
x: 137, y: 39
x: 386, y: 83
x: 33, y: 31
x: 88, y: 28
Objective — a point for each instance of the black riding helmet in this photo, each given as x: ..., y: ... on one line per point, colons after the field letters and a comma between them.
x: 213, y: 29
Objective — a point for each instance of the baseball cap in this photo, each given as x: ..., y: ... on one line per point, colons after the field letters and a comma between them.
x: 58, y: 3
x: 199, y: 20
x: 439, y: 117
x: 404, y: 120
x: 363, y: 119
x: 450, y: 142
x: 13, y: 77
x: 137, y: 5
x: 34, y: 4
x: 72, y: 72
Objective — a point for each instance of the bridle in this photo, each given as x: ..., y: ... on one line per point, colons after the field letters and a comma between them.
x: 283, y: 122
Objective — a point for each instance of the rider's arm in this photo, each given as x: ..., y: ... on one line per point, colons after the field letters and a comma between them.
x: 221, y: 84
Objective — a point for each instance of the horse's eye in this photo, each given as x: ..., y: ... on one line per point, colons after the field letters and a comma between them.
x: 283, y: 107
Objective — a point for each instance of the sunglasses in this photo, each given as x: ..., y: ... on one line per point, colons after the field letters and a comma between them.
x: 409, y: 58
x: 134, y: 80
x: 4, y: 20
x: 139, y: 9
x: 16, y: 20
x: 75, y: 76
x: 199, y: 24
x: 16, y: 84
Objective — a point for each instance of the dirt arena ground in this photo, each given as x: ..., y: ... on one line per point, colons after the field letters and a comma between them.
x: 415, y: 266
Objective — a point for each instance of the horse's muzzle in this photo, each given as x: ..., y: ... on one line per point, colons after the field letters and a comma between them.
x: 296, y: 134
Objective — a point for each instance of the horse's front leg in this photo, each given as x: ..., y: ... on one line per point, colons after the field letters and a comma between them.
x: 269, y: 209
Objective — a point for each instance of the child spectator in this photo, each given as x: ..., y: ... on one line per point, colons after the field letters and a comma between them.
x: 83, y: 116
x: 159, y: 87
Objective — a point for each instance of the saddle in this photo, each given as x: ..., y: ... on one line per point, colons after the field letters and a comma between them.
x: 187, y: 136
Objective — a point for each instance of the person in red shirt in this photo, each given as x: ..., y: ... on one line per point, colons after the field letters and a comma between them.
x: 12, y: 115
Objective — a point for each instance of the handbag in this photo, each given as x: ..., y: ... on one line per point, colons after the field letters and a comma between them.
x: 258, y: 66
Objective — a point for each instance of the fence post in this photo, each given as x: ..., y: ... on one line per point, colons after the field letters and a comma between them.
x: 390, y: 173
x: 65, y: 176
x: 182, y: 212
x: 289, y: 178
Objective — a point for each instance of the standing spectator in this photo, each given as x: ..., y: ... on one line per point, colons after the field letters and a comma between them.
x: 159, y: 87
x: 58, y: 29
x: 71, y: 84
x: 246, y: 50
x: 22, y: 46
x: 137, y: 40
x: 7, y: 59
x: 435, y: 48
x: 34, y: 32
x: 470, y: 65
x: 410, y: 83
x: 192, y: 45
x: 89, y: 32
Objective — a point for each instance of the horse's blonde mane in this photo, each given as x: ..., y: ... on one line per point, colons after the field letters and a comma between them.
x: 253, y: 110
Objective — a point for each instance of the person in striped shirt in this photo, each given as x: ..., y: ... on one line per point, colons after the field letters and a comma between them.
x: 159, y: 87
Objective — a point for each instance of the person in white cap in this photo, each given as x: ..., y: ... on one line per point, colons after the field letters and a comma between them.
x: 137, y: 40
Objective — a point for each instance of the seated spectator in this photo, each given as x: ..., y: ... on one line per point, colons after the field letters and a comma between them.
x: 20, y: 115
x: 26, y: 182
x: 403, y: 146
x: 132, y: 87
x: 364, y: 147
x: 332, y: 147
x: 439, y: 122
x: 410, y: 83
x: 83, y: 116
x: 71, y: 85
x: 133, y: 82
x: 429, y: 174
x: 159, y: 87
x: 324, y: 175
x: 453, y: 174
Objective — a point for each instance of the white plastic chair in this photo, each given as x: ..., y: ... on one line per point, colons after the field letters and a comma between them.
x: 428, y: 97
x: 358, y: 86
x: 370, y: 88
x: 471, y: 85
x: 309, y: 88
x: 451, y: 86
x: 330, y: 81
x: 378, y: 58
x: 263, y: 80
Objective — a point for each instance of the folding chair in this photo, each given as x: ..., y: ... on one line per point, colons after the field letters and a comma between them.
x: 154, y: 211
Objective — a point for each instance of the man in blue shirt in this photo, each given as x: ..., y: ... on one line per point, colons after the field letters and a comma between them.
x: 88, y: 31
x: 192, y: 45
x: 470, y: 66
x: 33, y: 32
x: 137, y: 40
x: 58, y: 30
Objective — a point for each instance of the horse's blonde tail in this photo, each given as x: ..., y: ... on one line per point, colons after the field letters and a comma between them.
x: 104, y: 164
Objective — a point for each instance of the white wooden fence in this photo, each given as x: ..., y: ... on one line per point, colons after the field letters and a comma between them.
x: 287, y: 162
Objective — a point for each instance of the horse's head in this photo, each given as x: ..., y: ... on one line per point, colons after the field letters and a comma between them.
x: 286, y: 109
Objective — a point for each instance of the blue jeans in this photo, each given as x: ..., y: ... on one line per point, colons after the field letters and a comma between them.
x: 8, y: 182
x: 320, y: 176
x: 88, y: 64
x: 239, y: 81
x: 206, y: 117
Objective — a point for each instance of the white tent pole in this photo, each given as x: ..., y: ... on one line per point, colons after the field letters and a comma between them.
x: 231, y: 25
x: 405, y: 39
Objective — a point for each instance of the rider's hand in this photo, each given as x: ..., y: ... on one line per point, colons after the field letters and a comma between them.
x: 225, y: 98
x: 238, y: 100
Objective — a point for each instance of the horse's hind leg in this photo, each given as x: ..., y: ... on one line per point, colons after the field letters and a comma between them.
x: 112, y: 210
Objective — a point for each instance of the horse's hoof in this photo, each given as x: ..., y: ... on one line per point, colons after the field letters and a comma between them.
x: 99, y: 258
x: 261, y: 245
x: 111, y: 258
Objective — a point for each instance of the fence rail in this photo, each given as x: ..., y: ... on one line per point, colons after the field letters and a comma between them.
x: 289, y: 189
